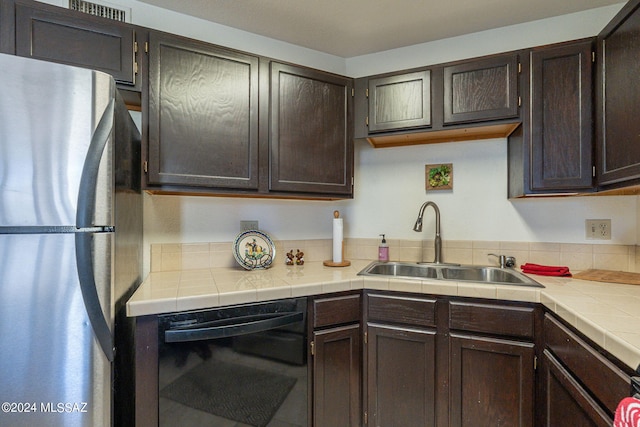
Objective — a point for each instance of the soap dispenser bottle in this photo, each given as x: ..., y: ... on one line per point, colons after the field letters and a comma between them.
x: 383, y: 250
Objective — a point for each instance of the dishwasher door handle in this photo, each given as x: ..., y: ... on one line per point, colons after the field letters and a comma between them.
x: 244, y: 327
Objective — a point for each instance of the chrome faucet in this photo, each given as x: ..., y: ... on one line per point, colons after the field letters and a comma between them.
x: 504, y: 260
x: 418, y: 227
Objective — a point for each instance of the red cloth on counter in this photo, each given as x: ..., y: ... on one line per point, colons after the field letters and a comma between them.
x: 627, y: 413
x: 545, y: 270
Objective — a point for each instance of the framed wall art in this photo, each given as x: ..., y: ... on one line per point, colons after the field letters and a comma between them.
x: 439, y: 177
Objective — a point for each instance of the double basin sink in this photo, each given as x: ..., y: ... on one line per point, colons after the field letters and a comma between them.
x: 459, y: 273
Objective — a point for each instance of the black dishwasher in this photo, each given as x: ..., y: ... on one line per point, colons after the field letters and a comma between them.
x: 235, y: 366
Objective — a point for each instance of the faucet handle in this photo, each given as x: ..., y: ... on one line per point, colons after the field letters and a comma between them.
x: 504, y: 260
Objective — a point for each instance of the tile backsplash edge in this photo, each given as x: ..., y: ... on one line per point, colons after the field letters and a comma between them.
x: 578, y: 257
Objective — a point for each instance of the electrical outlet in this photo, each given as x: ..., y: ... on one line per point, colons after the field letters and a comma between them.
x: 248, y: 225
x: 598, y: 229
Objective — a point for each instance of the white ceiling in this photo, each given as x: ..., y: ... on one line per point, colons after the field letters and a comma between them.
x: 349, y: 28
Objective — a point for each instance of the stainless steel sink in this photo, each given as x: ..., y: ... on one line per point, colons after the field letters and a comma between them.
x: 460, y: 273
x: 397, y: 269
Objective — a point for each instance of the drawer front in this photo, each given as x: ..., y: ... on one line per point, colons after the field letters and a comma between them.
x: 608, y: 383
x: 404, y: 310
x: 492, y: 319
x: 336, y: 310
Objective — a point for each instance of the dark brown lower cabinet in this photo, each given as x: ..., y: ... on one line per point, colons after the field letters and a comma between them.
x: 492, y: 382
x: 336, y: 377
x: 434, y: 361
x: 336, y: 352
x: 581, y: 386
x: 567, y: 402
x: 400, y: 360
x: 400, y: 376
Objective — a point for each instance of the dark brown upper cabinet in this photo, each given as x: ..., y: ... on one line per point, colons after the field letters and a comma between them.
x: 481, y: 90
x: 553, y: 150
x: 400, y: 101
x: 58, y: 35
x: 311, y: 132
x: 203, y: 115
x: 461, y: 101
x: 7, y: 27
x: 617, y: 99
x: 561, y: 117
x: 228, y: 122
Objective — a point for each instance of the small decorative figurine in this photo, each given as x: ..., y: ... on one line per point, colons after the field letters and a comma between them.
x: 299, y: 257
x: 290, y: 257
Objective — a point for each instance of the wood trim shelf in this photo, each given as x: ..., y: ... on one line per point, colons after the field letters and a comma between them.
x: 447, y: 135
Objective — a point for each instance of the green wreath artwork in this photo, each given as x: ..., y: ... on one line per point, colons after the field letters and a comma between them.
x: 439, y: 177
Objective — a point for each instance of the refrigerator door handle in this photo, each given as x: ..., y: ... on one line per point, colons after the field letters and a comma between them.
x: 89, y: 178
x: 84, y: 219
x: 90, y: 294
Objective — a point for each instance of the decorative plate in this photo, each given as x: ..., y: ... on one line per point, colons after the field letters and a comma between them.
x: 254, y: 249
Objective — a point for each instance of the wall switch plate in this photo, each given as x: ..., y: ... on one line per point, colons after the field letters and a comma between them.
x: 248, y: 225
x: 598, y: 229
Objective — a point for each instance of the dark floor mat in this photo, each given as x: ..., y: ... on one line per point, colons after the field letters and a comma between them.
x: 241, y: 393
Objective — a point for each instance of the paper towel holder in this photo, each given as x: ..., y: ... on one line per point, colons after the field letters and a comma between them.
x: 331, y: 262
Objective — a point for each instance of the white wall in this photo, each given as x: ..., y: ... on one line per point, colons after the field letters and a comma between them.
x: 390, y: 188
x: 390, y: 182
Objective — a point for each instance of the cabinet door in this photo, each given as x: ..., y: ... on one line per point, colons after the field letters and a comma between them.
x: 311, y: 134
x: 618, y: 98
x: 492, y: 382
x: 337, y: 377
x: 400, y: 102
x: 481, y: 90
x: 566, y: 403
x: 78, y: 39
x: 401, y: 385
x: 7, y: 27
x: 609, y: 387
x: 203, y: 115
x: 561, y: 117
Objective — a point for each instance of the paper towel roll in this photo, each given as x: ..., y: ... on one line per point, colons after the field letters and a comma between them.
x: 337, y: 238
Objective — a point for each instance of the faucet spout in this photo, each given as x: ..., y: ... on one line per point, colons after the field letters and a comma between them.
x: 437, y: 240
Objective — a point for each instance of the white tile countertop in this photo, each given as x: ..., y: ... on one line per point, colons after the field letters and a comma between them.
x: 607, y: 313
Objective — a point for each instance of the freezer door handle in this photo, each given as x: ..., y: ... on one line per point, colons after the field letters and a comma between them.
x: 89, y: 178
x: 90, y: 294
x: 240, y: 326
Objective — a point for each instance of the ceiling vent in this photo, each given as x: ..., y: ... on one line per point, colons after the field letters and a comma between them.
x: 103, y: 10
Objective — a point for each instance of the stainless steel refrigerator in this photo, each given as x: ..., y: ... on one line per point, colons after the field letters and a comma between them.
x: 70, y: 241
